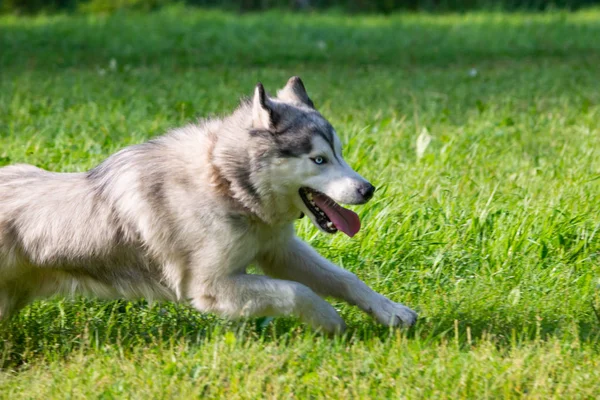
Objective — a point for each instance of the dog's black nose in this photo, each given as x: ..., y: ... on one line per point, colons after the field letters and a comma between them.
x: 366, y: 191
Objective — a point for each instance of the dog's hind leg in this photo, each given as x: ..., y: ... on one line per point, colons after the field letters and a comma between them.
x: 255, y: 296
x: 299, y: 262
x: 12, y: 299
x: 18, y: 291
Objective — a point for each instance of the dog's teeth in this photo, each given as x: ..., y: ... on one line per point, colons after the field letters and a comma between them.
x: 309, y: 196
x: 330, y: 225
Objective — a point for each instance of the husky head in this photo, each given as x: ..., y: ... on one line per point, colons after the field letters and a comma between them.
x: 302, y: 164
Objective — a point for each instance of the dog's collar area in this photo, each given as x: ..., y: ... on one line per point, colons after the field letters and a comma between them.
x: 306, y: 194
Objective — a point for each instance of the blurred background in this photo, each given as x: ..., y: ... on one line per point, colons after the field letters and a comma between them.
x: 379, y: 6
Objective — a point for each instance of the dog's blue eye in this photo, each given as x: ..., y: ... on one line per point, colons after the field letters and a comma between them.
x: 319, y: 160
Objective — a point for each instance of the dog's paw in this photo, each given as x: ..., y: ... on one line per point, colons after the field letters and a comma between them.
x: 393, y: 314
x: 335, y: 326
x: 323, y: 317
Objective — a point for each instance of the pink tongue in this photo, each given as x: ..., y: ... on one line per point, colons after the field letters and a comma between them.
x: 344, y: 220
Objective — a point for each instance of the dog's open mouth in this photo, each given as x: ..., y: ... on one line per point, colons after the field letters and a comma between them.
x: 330, y: 216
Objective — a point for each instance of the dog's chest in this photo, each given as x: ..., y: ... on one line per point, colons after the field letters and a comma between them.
x: 259, y: 239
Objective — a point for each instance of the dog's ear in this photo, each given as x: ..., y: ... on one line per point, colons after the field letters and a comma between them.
x: 295, y: 92
x: 263, y: 115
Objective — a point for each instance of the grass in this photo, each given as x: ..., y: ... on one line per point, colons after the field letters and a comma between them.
x: 492, y: 233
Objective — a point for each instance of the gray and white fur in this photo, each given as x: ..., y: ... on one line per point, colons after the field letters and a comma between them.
x: 181, y: 217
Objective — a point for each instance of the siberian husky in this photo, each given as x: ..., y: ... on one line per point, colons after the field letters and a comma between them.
x: 181, y: 217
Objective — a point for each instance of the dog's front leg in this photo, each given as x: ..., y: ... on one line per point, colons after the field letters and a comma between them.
x: 301, y: 263
x: 243, y: 295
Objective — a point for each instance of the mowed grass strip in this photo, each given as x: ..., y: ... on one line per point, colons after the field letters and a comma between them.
x: 490, y: 231
x: 304, y: 366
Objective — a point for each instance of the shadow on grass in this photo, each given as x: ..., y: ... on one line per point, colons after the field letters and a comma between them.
x: 180, y: 38
x: 51, y: 331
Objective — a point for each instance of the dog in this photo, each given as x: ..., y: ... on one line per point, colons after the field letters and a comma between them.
x: 182, y: 216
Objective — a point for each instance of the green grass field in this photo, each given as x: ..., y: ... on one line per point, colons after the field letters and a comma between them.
x: 492, y: 232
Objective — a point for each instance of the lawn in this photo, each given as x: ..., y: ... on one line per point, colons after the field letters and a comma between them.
x: 491, y: 232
